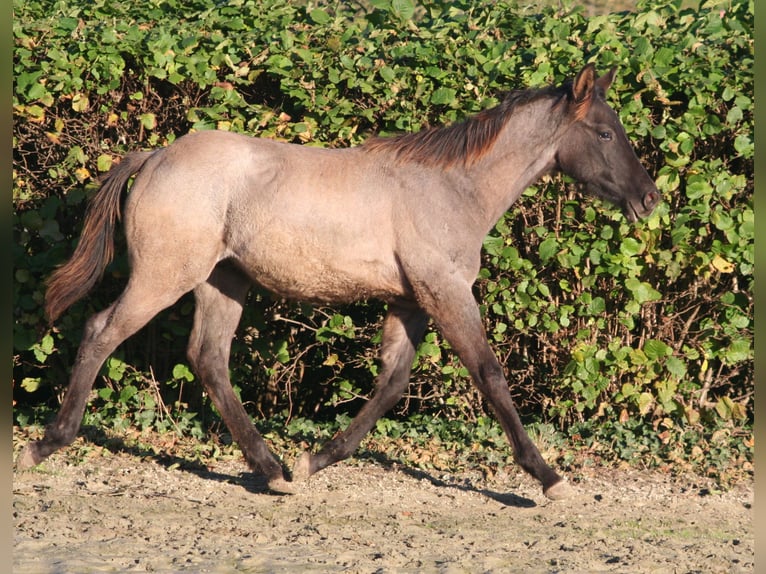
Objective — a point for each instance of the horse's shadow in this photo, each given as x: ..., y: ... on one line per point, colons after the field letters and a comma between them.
x: 258, y: 484
x: 504, y: 498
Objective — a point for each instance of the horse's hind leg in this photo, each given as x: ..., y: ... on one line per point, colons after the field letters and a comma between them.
x: 402, y: 329
x: 219, y: 304
x: 103, y: 332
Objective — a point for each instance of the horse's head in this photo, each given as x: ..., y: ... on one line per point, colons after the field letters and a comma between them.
x: 596, y: 151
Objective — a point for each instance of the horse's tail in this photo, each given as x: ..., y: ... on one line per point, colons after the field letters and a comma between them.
x: 74, y: 279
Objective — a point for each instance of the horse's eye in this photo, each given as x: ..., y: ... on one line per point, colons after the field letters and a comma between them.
x: 605, y: 136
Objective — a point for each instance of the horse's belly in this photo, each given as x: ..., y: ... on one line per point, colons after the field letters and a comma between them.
x: 329, y: 285
x: 312, y: 277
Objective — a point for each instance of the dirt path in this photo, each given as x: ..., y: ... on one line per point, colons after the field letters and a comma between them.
x: 116, y: 512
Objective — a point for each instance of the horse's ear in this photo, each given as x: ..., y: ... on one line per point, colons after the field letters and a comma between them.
x: 606, y: 80
x: 582, y: 90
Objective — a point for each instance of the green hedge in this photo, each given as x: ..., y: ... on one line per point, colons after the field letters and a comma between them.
x: 595, y: 319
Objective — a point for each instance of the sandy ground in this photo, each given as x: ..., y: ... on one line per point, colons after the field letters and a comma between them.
x: 114, y: 511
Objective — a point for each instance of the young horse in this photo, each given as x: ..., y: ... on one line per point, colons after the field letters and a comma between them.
x: 401, y: 219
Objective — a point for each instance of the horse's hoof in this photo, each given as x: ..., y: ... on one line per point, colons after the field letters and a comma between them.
x: 302, y: 468
x: 28, y: 458
x: 281, y: 486
x: 559, y: 491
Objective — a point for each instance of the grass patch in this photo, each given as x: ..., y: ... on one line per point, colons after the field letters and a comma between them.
x: 724, y: 454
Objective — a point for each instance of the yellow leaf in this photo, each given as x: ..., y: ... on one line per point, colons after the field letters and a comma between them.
x: 81, y: 174
x: 645, y: 401
x: 35, y: 114
x: 738, y: 411
x: 80, y: 102
x: 720, y: 264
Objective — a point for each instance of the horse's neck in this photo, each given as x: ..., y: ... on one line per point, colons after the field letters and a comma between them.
x: 524, y: 151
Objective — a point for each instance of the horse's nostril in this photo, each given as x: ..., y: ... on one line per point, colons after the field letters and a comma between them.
x: 651, y: 199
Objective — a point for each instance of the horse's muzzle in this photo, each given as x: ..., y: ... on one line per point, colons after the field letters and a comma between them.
x: 635, y: 210
x: 650, y: 201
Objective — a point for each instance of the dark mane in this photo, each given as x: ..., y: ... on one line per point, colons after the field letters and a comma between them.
x: 463, y: 142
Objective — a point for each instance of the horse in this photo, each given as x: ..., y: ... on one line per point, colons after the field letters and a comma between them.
x: 399, y: 218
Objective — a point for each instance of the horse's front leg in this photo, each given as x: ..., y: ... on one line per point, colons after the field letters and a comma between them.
x: 402, y: 329
x: 455, y: 311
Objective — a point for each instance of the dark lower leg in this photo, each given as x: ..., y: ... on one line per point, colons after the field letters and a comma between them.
x: 219, y: 307
x: 102, y: 334
x: 63, y: 429
x: 461, y: 324
x: 494, y: 387
x: 344, y: 445
x: 255, y: 450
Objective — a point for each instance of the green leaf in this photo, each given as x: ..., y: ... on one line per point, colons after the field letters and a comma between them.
x: 631, y: 247
x: 676, y: 367
x: 443, y: 96
x: 127, y: 393
x: 148, y: 120
x: 642, y: 292
x: 548, y: 248
x: 628, y: 390
x: 738, y: 351
x: 47, y: 344
x: 116, y: 368
x: 655, y: 349
x: 36, y: 92
x: 320, y: 16
x: 30, y: 384
x: 388, y: 74
x: 597, y: 306
x: 404, y: 9
x: 104, y: 162
x: 734, y: 116
x: 744, y: 145
x: 181, y: 371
